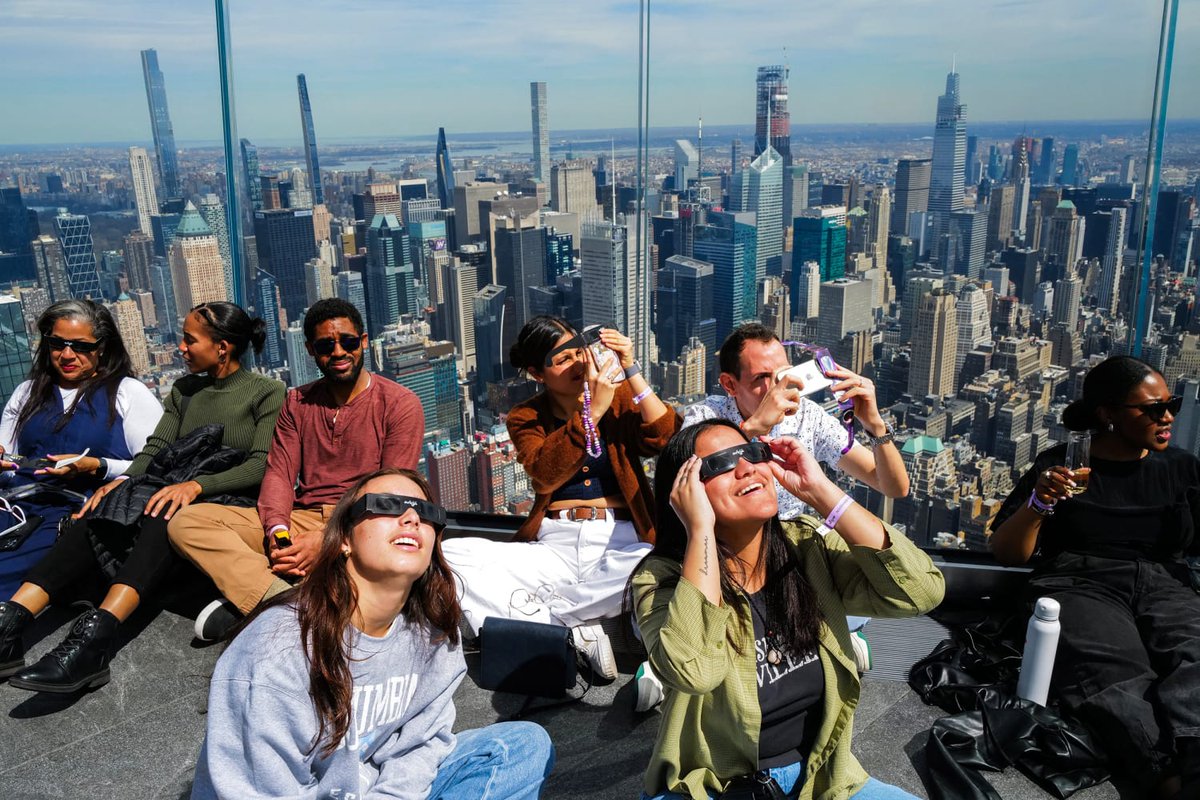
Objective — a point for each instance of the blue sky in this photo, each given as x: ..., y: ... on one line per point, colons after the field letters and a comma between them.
x: 395, y: 67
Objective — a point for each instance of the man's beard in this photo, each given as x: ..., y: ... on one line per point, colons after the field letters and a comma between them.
x: 349, y: 377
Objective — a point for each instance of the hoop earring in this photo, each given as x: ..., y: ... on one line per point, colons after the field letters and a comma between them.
x: 1109, y: 427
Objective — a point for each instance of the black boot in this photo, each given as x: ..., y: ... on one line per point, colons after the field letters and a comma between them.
x: 14, y: 618
x: 79, y: 661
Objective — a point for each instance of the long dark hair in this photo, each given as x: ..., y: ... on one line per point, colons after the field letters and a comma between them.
x: 327, y: 599
x: 113, y: 363
x: 535, y: 341
x: 228, y: 322
x: 791, y: 600
x: 1106, y: 384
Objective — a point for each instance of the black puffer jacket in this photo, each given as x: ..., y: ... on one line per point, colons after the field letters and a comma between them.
x: 112, y: 524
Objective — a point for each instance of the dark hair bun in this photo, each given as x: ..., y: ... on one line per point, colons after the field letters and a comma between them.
x: 258, y: 334
x: 1079, y: 416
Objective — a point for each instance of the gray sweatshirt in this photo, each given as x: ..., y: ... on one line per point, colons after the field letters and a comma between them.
x: 262, y: 722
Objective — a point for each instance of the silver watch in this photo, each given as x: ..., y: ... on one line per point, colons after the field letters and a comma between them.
x: 888, y: 435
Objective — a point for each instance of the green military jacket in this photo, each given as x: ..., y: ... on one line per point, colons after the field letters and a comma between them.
x: 710, y: 715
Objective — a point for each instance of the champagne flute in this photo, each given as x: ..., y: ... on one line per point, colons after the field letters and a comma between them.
x: 1079, y: 447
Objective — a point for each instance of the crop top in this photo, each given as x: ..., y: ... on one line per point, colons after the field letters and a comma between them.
x: 593, y: 480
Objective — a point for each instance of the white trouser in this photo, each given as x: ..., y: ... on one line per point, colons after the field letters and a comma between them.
x: 573, y: 573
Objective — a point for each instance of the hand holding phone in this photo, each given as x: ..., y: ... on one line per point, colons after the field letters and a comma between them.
x: 806, y: 375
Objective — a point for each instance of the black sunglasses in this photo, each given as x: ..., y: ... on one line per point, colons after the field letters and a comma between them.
x: 325, y: 347
x: 57, y: 343
x: 1159, y: 408
x: 723, y: 461
x: 396, y: 505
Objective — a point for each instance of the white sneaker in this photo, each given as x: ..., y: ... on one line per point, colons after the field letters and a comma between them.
x: 862, y: 651
x: 649, y: 689
x: 593, y: 642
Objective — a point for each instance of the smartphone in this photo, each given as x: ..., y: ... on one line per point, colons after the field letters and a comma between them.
x: 606, y: 359
x: 809, y: 374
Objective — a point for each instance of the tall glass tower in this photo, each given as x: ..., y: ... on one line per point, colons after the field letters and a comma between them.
x: 160, y: 123
x: 541, y: 131
x: 253, y: 181
x: 771, y: 92
x: 15, y: 359
x: 75, y: 235
x: 310, y: 142
x: 445, y: 171
x: 949, y: 159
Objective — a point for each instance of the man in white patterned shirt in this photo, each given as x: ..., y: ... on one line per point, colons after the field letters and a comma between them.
x: 749, y: 359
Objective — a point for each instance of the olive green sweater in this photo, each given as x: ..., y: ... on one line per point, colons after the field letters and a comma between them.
x: 245, y: 402
x: 710, y: 714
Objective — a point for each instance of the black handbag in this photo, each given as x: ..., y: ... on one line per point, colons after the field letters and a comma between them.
x: 523, y: 657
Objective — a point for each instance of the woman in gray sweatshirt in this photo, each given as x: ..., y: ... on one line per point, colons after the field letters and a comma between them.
x: 343, y: 687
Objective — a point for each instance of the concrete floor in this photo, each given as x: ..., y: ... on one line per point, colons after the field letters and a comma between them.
x: 138, y: 737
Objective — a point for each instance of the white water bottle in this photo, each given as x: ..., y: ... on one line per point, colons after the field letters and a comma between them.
x: 1041, y: 643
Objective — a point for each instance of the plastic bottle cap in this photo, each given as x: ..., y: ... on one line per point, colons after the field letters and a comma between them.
x: 1047, y: 609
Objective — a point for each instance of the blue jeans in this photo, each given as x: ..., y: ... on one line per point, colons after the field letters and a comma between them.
x: 505, y: 761
x: 790, y: 779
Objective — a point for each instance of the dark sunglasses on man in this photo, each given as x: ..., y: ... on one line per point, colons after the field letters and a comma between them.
x: 397, y: 505
x: 325, y: 347
x: 1159, y: 408
x: 723, y: 461
x: 58, y: 344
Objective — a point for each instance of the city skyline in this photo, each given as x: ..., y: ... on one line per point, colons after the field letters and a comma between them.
x: 589, y: 60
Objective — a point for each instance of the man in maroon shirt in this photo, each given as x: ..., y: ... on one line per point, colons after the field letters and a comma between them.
x: 329, y: 433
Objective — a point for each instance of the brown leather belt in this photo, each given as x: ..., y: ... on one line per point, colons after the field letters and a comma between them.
x: 588, y: 513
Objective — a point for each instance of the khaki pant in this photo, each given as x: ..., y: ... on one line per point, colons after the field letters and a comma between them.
x: 228, y: 544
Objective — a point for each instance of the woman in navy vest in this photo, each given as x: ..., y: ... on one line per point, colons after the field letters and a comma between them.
x: 81, y: 396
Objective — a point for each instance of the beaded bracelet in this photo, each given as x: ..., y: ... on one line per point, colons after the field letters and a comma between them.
x: 589, y: 428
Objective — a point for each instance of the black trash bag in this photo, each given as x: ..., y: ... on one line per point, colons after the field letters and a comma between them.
x: 973, y: 676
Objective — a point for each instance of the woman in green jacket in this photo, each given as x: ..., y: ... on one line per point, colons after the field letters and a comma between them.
x: 744, y: 619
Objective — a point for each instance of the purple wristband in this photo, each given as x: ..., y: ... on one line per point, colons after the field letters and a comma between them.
x: 642, y: 395
x: 838, y: 510
x: 1038, y: 506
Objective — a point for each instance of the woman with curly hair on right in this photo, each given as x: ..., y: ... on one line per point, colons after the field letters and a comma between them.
x: 344, y: 686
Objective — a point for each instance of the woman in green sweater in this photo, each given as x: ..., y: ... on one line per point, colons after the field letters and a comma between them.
x: 744, y: 620
x: 218, y: 390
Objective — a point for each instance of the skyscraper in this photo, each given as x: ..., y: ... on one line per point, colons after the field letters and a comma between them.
x: 1109, y: 290
x: 51, y: 268
x: 128, y: 316
x: 1020, y: 182
x: 144, y: 194
x: 729, y: 243
x: 949, y: 158
x: 196, y: 266
x: 162, y: 289
x: 807, y: 299
x: 974, y: 320
x: 759, y: 189
x: 520, y: 265
x: 684, y: 301
x: 490, y: 358
x: 267, y: 300
x: 310, y: 141
x: 1064, y: 239
x: 1000, y: 216
x: 819, y: 234
x: 1070, y: 168
x: 771, y: 103
x: 160, y: 123
x: 75, y: 235
x: 459, y: 285
x: 964, y: 245
x: 541, y: 130
x: 214, y: 216
x: 387, y: 278
x: 687, y: 164
x: 605, y: 273
x: 934, y: 346
x: 1045, y: 175
x: 445, y: 172
x: 15, y: 359
x: 253, y: 178
x: 912, y: 191
x: 284, y: 241
x: 301, y: 367
x: 573, y: 188
x: 18, y: 227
